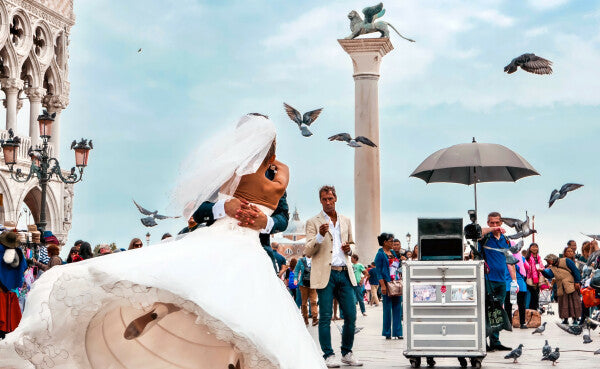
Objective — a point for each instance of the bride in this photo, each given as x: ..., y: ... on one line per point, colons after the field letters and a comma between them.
x: 208, y: 300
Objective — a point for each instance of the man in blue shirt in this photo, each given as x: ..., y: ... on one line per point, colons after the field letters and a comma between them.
x: 493, y: 238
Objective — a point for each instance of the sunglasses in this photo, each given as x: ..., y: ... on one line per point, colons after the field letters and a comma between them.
x: 74, y: 252
x: 138, y: 245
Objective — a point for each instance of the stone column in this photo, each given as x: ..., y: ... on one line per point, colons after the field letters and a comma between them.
x: 35, y: 107
x: 366, y: 57
x: 55, y: 104
x: 11, y: 87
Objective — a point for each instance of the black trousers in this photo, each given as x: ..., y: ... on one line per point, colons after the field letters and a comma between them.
x: 534, y: 302
x: 520, y: 305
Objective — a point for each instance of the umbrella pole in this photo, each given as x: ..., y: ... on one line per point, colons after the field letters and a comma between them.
x: 475, y: 187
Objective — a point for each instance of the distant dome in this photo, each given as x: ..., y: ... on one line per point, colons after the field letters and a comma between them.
x: 295, y: 225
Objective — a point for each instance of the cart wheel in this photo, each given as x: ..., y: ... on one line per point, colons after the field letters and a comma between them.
x: 430, y: 362
x: 463, y: 362
x: 415, y: 362
x: 476, y: 362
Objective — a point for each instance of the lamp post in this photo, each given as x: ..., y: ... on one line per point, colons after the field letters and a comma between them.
x: 408, y: 241
x: 43, y: 167
x: 148, y: 239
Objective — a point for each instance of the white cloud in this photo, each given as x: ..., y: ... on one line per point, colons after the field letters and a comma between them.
x: 537, y: 31
x: 494, y: 17
x: 547, y: 4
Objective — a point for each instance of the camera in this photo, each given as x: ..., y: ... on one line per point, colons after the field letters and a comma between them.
x: 473, y: 230
x: 472, y: 216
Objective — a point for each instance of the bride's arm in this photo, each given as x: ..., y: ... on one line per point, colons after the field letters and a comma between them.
x: 282, y: 176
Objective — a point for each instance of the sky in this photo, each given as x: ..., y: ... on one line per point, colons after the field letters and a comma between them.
x: 204, y: 64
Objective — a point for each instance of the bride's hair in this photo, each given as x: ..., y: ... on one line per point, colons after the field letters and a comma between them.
x: 271, y: 152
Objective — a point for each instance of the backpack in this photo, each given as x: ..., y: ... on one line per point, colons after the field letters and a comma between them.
x: 305, y: 273
x: 291, y: 284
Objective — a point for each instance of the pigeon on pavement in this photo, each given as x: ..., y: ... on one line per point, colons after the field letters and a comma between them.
x: 540, y: 329
x: 341, y: 329
x: 515, y: 354
x: 352, y: 142
x: 553, y: 356
x: 530, y: 63
x: 150, y: 221
x: 587, y: 338
x: 560, y: 194
x: 303, y: 121
x: 546, y: 349
x: 597, y: 352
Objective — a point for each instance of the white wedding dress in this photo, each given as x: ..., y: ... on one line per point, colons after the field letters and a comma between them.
x: 234, y: 309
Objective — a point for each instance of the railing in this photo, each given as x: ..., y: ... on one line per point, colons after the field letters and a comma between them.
x: 24, y: 146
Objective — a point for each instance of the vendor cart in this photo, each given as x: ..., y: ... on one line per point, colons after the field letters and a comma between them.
x: 443, y: 301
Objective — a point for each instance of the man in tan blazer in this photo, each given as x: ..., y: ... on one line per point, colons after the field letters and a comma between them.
x: 329, y: 242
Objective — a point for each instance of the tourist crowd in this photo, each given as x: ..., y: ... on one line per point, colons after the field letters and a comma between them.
x: 563, y: 278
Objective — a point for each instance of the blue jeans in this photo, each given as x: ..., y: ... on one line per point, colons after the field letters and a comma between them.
x: 497, y: 289
x: 358, y: 291
x: 392, y: 316
x: 341, y: 288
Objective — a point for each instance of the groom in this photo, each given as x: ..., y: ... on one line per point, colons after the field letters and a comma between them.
x: 249, y: 215
x: 330, y: 244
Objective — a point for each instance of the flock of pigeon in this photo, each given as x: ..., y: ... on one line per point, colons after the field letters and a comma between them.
x: 524, y: 229
x: 547, y: 353
x: 304, y: 121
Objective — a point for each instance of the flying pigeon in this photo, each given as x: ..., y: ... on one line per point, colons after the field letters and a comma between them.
x: 303, y: 121
x: 540, y: 329
x: 352, y: 142
x: 517, y: 247
x: 522, y: 227
x: 150, y: 221
x: 515, y: 354
x: 140, y: 50
x: 510, y: 259
x: 575, y: 330
x: 587, y: 338
x: 553, y: 356
x: 592, y: 236
x: 560, y: 194
x: 546, y: 349
x: 530, y: 63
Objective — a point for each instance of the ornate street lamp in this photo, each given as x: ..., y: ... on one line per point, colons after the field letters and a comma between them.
x: 148, y: 239
x: 408, y: 241
x: 43, y: 167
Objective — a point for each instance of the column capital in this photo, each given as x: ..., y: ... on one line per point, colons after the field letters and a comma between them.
x: 55, y: 103
x: 35, y: 94
x: 11, y: 84
x: 366, y: 54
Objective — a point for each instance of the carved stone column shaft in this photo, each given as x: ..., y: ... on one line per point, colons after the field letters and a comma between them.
x: 55, y: 104
x: 35, y: 106
x: 11, y: 88
x: 366, y: 57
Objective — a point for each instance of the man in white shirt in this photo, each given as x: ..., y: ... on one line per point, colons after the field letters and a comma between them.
x: 329, y: 242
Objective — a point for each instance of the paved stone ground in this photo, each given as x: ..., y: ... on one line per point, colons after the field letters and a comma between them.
x: 378, y: 353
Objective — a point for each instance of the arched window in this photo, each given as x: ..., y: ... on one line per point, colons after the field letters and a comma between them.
x: 289, y: 251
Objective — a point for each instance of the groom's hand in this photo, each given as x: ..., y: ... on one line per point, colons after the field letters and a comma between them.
x: 251, y: 216
x: 232, y: 207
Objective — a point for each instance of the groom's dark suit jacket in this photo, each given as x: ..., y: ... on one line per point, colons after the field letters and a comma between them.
x: 281, y: 215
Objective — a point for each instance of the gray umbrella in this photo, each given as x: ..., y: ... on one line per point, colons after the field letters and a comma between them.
x: 474, y: 162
